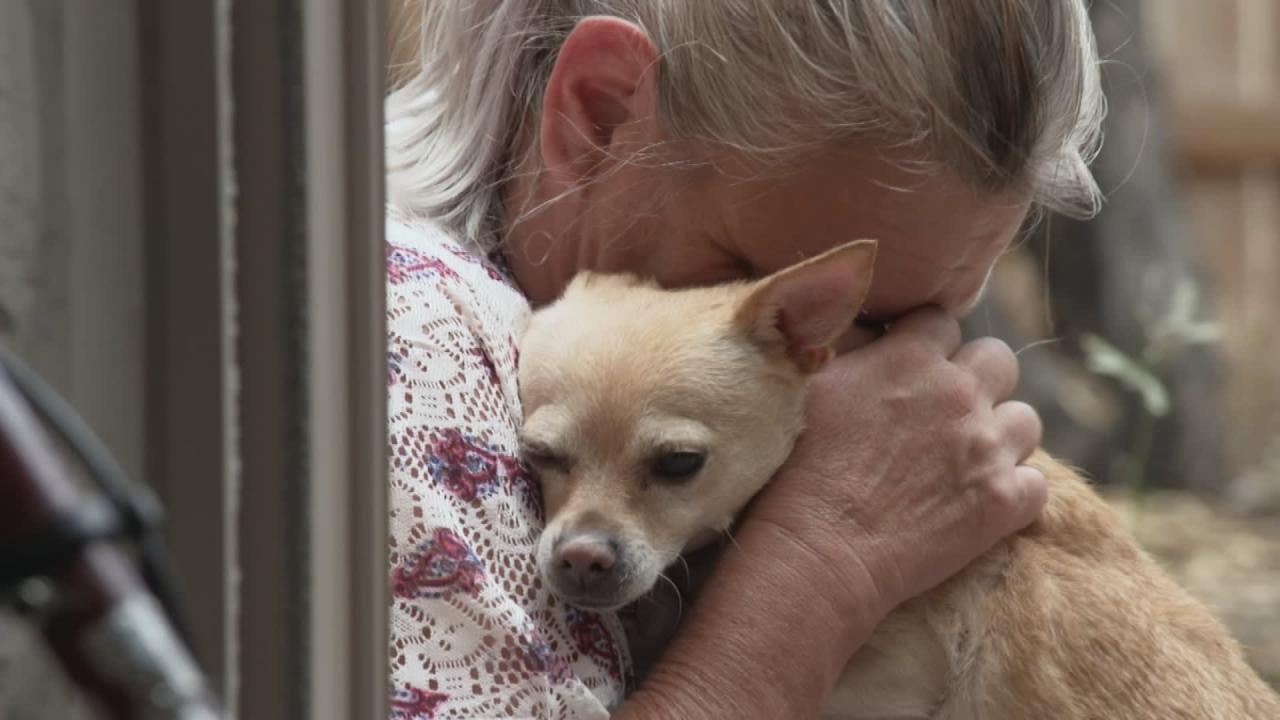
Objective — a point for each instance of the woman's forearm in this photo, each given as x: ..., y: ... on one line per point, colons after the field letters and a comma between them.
x: 759, y: 643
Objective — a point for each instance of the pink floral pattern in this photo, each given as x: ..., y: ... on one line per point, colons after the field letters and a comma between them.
x: 395, y: 369
x: 489, y: 264
x: 466, y: 467
x: 442, y: 564
x: 592, y: 637
x: 405, y: 264
x: 411, y: 703
x: 540, y: 658
x: 474, y: 634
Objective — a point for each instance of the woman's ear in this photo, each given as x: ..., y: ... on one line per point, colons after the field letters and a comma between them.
x: 602, y: 96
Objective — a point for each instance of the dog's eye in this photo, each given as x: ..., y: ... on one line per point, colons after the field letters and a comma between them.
x: 541, y: 458
x: 677, y: 466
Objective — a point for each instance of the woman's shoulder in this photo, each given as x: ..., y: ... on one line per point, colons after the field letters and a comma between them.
x: 420, y: 251
x: 448, y: 303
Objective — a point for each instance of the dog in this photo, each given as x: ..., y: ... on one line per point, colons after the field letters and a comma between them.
x: 653, y: 416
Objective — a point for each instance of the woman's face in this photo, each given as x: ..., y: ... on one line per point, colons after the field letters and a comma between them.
x: 613, y: 196
x: 938, y: 239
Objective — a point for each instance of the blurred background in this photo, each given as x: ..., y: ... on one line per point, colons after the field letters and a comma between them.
x: 1148, y: 335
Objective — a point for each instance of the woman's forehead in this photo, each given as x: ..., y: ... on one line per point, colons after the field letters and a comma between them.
x: 921, y: 216
x: 938, y: 236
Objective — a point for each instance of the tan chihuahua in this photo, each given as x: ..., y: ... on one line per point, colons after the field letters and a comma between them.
x: 653, y: 417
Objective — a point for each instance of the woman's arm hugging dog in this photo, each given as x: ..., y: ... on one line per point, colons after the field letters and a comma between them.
x: 654, y: 416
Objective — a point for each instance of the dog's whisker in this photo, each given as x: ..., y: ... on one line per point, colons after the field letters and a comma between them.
x: 688, y: 574
x: 1036, y: 344
x: 648, y: 597
x: 729, y: 534
x: 679, y: 596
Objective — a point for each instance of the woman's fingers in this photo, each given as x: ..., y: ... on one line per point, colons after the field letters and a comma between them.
x: 931, y: 327
x: 994, y: 365
x: 990, y: 361
x: 1018, y: 498
x: 1021, y: 428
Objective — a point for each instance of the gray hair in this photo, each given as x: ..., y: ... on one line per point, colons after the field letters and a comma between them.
x: 1004, y: 93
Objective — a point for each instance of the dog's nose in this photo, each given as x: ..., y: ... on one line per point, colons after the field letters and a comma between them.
x: 587, y: 561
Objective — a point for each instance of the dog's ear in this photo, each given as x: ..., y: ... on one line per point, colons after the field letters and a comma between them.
x: 805, y: 308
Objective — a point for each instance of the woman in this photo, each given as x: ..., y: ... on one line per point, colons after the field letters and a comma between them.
x: 697, y: 143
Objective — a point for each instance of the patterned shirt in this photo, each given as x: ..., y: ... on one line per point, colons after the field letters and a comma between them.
x: 474, y: 634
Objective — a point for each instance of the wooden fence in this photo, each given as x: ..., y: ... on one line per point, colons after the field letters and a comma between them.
x: 1219, y: 63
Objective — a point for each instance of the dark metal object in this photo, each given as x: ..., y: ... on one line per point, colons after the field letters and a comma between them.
x: 61, y: 566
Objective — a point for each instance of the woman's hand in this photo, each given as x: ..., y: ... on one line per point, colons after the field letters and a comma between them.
x: 910, y: 466
x: 909, y: 470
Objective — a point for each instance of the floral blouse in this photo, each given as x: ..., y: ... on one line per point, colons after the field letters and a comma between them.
x: 474, y: 634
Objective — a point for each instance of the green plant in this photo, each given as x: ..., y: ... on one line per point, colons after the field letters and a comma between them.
x: 1167, y: 335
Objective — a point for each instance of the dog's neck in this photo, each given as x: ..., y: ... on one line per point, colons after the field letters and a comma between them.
x: 655, y: 618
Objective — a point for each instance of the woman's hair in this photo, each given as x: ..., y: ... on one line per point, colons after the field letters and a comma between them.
x: 1005, y: 93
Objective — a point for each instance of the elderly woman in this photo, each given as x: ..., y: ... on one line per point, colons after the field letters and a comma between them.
x: 699, y: 142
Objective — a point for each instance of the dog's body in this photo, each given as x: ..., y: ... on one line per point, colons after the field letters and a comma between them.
x: 653, y: 416
x: 1068, y: 619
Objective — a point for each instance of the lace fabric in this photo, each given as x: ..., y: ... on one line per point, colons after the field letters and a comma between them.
x: 474, y: 633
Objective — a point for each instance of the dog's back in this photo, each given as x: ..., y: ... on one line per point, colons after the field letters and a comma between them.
x: 1067, y: 620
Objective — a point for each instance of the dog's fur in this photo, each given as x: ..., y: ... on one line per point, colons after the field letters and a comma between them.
x: 1068, y: 619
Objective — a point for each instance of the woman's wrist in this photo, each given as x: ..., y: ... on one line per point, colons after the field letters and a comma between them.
x: 760, y: 643
x: 849, y: 593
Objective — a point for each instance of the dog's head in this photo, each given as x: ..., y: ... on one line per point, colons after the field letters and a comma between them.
x: 653, y: 416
